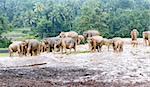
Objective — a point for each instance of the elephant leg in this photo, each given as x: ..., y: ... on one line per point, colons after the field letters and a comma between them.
x: 70, y: 50
x: 108, y: 47
x: 61, y: 49
x: 114, y: 47
x: 36, y: 52
x: 121, y: 49
x: 32, y: 53
x: 101, y: 48
x: 55, y: 48
x: 75, y: 47
x: 51, y: 49
x: 29, y: 51
x: 136, y: 44
x: 25, y: 51
x: 48, y: 48
x: 10, y: 53
x: 65, y: 49
x: 98, y: 48
x: 117, y: 48
x: 19, y: 51
x: 94, y: 45
x: 90, y: 47
x: 146, y: 42
x: 79, y: 41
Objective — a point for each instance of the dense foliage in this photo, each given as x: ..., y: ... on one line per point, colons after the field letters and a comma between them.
x: 4, y: 42
x: 50, y: 17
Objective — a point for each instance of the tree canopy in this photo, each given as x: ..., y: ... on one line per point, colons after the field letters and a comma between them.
x: 50, y: 17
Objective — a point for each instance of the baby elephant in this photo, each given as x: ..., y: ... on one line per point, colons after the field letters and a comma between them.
x: 117, y: 44
x: 66, y: 43
x: 80, y: 39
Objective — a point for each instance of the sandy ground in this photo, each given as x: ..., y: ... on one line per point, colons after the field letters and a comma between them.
x: 131, y: 68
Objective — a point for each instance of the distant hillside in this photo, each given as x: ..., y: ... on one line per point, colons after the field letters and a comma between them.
x: 17, y: 34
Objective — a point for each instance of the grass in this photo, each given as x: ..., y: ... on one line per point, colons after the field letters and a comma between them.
x: 3, y: 48
x: 17, y: 33
x: 4, y: 55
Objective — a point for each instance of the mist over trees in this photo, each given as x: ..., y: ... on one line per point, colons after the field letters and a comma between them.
x: 50, y: 17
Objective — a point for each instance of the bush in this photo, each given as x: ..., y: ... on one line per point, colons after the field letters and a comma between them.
x: 4, y: 42
x: 25, y: 31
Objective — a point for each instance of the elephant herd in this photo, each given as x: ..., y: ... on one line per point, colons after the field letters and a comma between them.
x: 62, y: 42
x: 70, y: 40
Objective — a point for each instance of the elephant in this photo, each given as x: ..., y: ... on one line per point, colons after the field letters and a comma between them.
x: 117, y: 43
x: 80, y: 38
x: 134, y: 43
x: 33, y: 47
x: 134, y: 34
x: 66, y: 43
x: 71, y: 34
x: 16, y: 47
x: 90, y: 33
x: 106, y: 42
x: 42, y: 47
x: 94, y: 42
x: 50, y: 42
x: 146, y: 37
